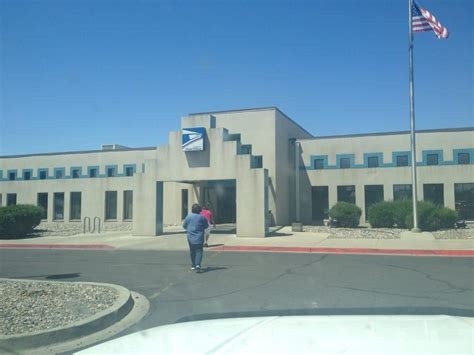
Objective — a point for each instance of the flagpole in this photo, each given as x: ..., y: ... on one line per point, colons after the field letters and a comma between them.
x: 412, y: 121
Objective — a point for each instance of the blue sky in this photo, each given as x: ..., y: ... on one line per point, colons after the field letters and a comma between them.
x: 78, y: 74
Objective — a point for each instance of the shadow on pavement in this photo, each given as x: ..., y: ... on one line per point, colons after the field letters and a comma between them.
x: 212, y: 268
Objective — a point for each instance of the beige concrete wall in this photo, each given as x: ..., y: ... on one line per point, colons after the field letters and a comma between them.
x: 387, y: 176
x: 283, y: 185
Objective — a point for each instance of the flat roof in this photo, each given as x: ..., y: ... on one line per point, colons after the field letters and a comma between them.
x: 254, y: 109
x: 78, y: 152
x: 461, y: 129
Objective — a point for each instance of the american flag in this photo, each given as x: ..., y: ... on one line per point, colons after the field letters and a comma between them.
x: 423, y: 20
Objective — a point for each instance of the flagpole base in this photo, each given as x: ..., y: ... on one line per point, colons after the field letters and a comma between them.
x: 416, y: 230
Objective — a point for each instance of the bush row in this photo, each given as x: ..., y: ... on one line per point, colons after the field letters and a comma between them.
x: 389, y: 214
x: 18, y: 220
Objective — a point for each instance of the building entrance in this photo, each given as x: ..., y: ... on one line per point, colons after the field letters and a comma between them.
x: 221, y: 195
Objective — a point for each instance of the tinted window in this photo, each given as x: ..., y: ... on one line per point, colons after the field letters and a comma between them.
x: 345, y: 163
x: 110, y: 205
x: 93, y: 173
x: 128, y: 204
x: 75, y: 206
x: 464, y: 200
x: 42, y: 174
x: 110, y: 172
x: 27, y: 175
x: 75, y: 173
x: 373, y: 162
x: 320, y: 202
x: 128, y: 171
x: 58, y: 174
x: 464, y: 158
x: 346, y: 194
x: 11, y: 176
x: 11, y: 199
x: 432, y: 159
x: 402, y: 191
x: 402, y: 160
x: 434, y: 193
x: 58, y: 205
x: 318, y: 163
x: 42, y: 201
x: 373, y: 194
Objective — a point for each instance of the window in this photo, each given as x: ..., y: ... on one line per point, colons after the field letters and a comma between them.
x: 320, y: 202
x: 373, y: 194
x: 402, y: 191
x: 402, y: 160
x: 129, y: 171
x: 110, y: 205
x: 110, y: 172
x: 1, y: 201
x: 75, y: 206
x: 93, y: 172
x: 345, y: 163
x: 434, y: 193
x: 184, y: 203
x: 26, y: 175
x: 346, y: 194
x: 128, y: 205
x: 11, y: 199
x: 12, y: 175
x: 58, y: 206
x: 464, y: 200
x: 59, y: 173
x: 42, y: 174
x: 373, y: 162
x: 318, y: 163
x: 75, y: 173
x: 464, y: 158
x: 432, y: 159
x: 42, y: 201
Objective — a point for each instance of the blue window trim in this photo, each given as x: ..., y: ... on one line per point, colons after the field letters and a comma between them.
x: 89, y: 168
x: 457, y: 151
x: 60, y: 169
x: 12, y: 171
x: 125, y: 166
x: 425, y: 153
x: 46, y: 170
x: 73, y: 168
x: 1, y: 175
x: 113, y: 166
x: 143, y: 167
x: 23, y: 171
x: 370, y: 155
x: 323, y: 157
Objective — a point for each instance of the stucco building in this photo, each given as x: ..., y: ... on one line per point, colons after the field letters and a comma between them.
x: 256, y: 167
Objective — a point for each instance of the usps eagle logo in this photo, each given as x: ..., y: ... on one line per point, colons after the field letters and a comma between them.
x: 193, y: 139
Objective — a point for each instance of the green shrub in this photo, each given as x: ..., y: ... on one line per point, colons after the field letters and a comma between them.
x: 401, y: 209
x: 18, y: 220
x: 432, y: 217
x: 346, y: 214
x: 381, y: 215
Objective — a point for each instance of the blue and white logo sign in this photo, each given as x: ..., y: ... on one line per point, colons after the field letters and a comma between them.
x: 193, y: 139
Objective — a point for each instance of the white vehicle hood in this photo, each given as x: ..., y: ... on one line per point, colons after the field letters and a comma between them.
x: 303, y: 334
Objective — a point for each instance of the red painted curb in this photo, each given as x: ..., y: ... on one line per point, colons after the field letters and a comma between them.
x: 57, y: 246
x: 344, y: 250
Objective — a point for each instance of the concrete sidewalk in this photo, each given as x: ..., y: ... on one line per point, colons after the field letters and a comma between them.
x: 281, y: 240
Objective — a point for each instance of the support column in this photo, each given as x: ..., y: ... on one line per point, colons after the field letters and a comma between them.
x: 252, y: 203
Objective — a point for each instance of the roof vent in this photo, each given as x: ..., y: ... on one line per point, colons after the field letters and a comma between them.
x: 114, y: 147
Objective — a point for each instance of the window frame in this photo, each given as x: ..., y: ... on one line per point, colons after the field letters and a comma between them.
x: 107, y: 206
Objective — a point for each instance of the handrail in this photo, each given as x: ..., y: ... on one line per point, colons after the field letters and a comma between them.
x: 89, y: 224
x: 98, y: 225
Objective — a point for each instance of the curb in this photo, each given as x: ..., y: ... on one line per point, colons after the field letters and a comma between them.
x: 243, y: 248
x: 86, y: 326
x: 57, y: 246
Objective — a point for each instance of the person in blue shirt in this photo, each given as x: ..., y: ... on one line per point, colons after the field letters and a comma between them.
x: 195, y: 224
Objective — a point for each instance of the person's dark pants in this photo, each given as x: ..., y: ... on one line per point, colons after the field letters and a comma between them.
x: 196, y: 254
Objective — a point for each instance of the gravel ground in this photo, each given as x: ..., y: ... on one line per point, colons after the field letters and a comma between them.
x: 356, y: 233
x: 31, y: 306
x: 68, y: 229
x: 467, y: 233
